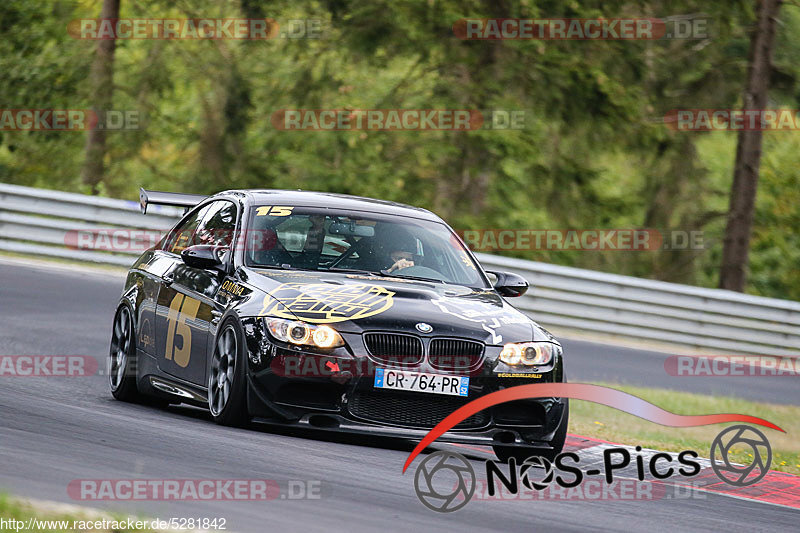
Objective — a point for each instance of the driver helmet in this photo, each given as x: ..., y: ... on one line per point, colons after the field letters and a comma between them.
x: 397, y: 239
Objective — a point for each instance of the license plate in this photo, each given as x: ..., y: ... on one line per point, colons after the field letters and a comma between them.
x: 421, y: 382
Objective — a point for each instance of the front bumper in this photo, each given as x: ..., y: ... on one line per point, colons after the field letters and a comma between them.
x: 347, y: 402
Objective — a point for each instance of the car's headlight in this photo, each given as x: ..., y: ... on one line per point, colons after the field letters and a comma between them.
x: 296, y: 332
x: 528, y: 353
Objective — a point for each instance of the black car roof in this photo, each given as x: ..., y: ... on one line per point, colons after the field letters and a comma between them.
x: 330, y: 200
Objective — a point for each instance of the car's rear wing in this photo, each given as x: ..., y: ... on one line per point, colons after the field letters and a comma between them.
x: 176, y: 199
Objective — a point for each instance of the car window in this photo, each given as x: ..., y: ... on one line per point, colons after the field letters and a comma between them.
x: 217, y: 224
x: 213, y: 224
x: 324, y: 239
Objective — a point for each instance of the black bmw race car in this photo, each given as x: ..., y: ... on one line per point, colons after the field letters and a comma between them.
x: 334, y: 312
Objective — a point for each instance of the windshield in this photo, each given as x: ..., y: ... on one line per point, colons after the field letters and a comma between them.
x: 326, y: 240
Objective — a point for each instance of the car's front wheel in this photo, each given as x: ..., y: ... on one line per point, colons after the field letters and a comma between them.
x: 122, y: 357
x: 520, y: 453
x: 226, y: 382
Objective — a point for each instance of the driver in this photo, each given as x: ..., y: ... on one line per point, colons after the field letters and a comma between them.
x: 399, y: 248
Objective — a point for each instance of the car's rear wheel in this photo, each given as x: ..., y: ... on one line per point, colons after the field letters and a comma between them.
x: 122, y: 357
x: 520, y: 453
x: 226, y: 381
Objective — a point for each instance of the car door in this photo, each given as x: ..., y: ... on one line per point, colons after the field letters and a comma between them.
x: 186, y: 301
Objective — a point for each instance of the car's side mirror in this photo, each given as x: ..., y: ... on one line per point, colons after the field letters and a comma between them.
x: 204, y: 256
x: 509, y: 284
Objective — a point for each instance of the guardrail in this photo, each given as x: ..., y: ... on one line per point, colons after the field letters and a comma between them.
x: 694, y: 317
x: 38, y: 221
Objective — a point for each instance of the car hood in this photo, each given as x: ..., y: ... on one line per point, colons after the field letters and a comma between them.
x: 354, y: 303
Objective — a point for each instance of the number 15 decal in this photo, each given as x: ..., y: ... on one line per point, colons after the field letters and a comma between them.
x: 274, y: 210
x: 181, y: 309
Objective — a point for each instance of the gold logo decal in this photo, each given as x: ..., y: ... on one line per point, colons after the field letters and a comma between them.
x: 233, y: 288
x: 325, y: 303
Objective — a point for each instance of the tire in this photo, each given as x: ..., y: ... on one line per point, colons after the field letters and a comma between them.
x: 520, y: 453
x: 227, y: 385
x: 122, y: 357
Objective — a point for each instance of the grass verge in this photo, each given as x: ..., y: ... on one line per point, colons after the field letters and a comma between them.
x: 57, y: 518
x: 598, y: 421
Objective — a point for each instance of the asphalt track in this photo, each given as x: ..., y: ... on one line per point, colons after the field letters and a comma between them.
x: 55, y: 430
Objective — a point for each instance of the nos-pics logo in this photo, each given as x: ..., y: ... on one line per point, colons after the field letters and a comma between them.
x: 445, y: 481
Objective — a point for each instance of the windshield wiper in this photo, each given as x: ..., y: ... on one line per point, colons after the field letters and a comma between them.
x: 415, y: 278
x: 284, y: 266
x: 351, y: 271
x: 287, y: 266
